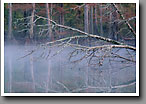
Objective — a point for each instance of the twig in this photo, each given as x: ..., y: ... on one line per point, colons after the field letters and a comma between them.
x: 124, y: 58
x: 26, y: 55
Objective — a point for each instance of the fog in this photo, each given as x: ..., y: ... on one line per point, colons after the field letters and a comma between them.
x: 49, y: 70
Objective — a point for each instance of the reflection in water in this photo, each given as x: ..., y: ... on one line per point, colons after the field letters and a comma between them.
x: 48, y: 70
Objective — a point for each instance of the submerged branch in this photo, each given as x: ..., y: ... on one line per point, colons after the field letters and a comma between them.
x: 63, y: 86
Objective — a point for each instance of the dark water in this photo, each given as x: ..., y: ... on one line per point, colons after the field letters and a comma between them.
x: 50, y: 70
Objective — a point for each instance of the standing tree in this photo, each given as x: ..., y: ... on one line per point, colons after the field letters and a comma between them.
x: 61, y: 20
x: 31, y: 32
x: 86, y: 21
x: 91, y: 19
x: 95, y: 24
x: 10, y: 22
x: 96, y: 55
x: 48, y: 83
x: 48, y: 21
x: 86, y: 29
x: 114, y: 24
x: 101, y: 22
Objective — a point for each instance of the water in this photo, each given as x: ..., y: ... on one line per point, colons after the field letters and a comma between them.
x: 50, y: 70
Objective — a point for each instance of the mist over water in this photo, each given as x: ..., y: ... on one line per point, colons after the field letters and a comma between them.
x: 50, y: 70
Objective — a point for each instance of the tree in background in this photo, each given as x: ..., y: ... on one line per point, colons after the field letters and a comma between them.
x: 49, y: 24
x: 101, y: 22
x: 75, y: 26
x: 91, y: 19
x: 31, y: 31
x: 10, y: 34
x: 86, y: 18
x: 96, y: 21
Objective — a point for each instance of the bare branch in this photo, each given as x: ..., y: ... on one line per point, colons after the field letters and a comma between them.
x: 78, y: 7
x: 126, y: 21
x: 114, y: 46
x: 105, y: 46
x: 124, y: 58
x: 26, y: 55
x: 124, y: 85
x: 80, y: 31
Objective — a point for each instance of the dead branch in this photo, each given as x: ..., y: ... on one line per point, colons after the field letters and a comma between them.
x: 105, y: 46
x: 126, y: 21
x: 123, y: 57
x: 124, y: 85
x: 78, y: 7
x: 27, y: 54
x: 114, y: 46
x: 80, y: 31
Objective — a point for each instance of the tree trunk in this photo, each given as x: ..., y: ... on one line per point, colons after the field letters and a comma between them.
x: 31, y: 32
x: 86, y: 29
x: 110, y: 25
x: 114, y: 25
x: 25, y: 22
x: 86, y: 22
x: 51, y: 10
x: 49, y: 23
x: 10, y: 22
x: 95, y: 26
x: 91, y: 20
x: 61, y: 18
x: 101, y: 24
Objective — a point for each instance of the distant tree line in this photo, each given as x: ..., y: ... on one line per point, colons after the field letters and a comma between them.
x: 22, y: 21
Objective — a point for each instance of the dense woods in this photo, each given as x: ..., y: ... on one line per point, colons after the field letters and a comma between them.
x: 32, y: 21
x: 89, y: 42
